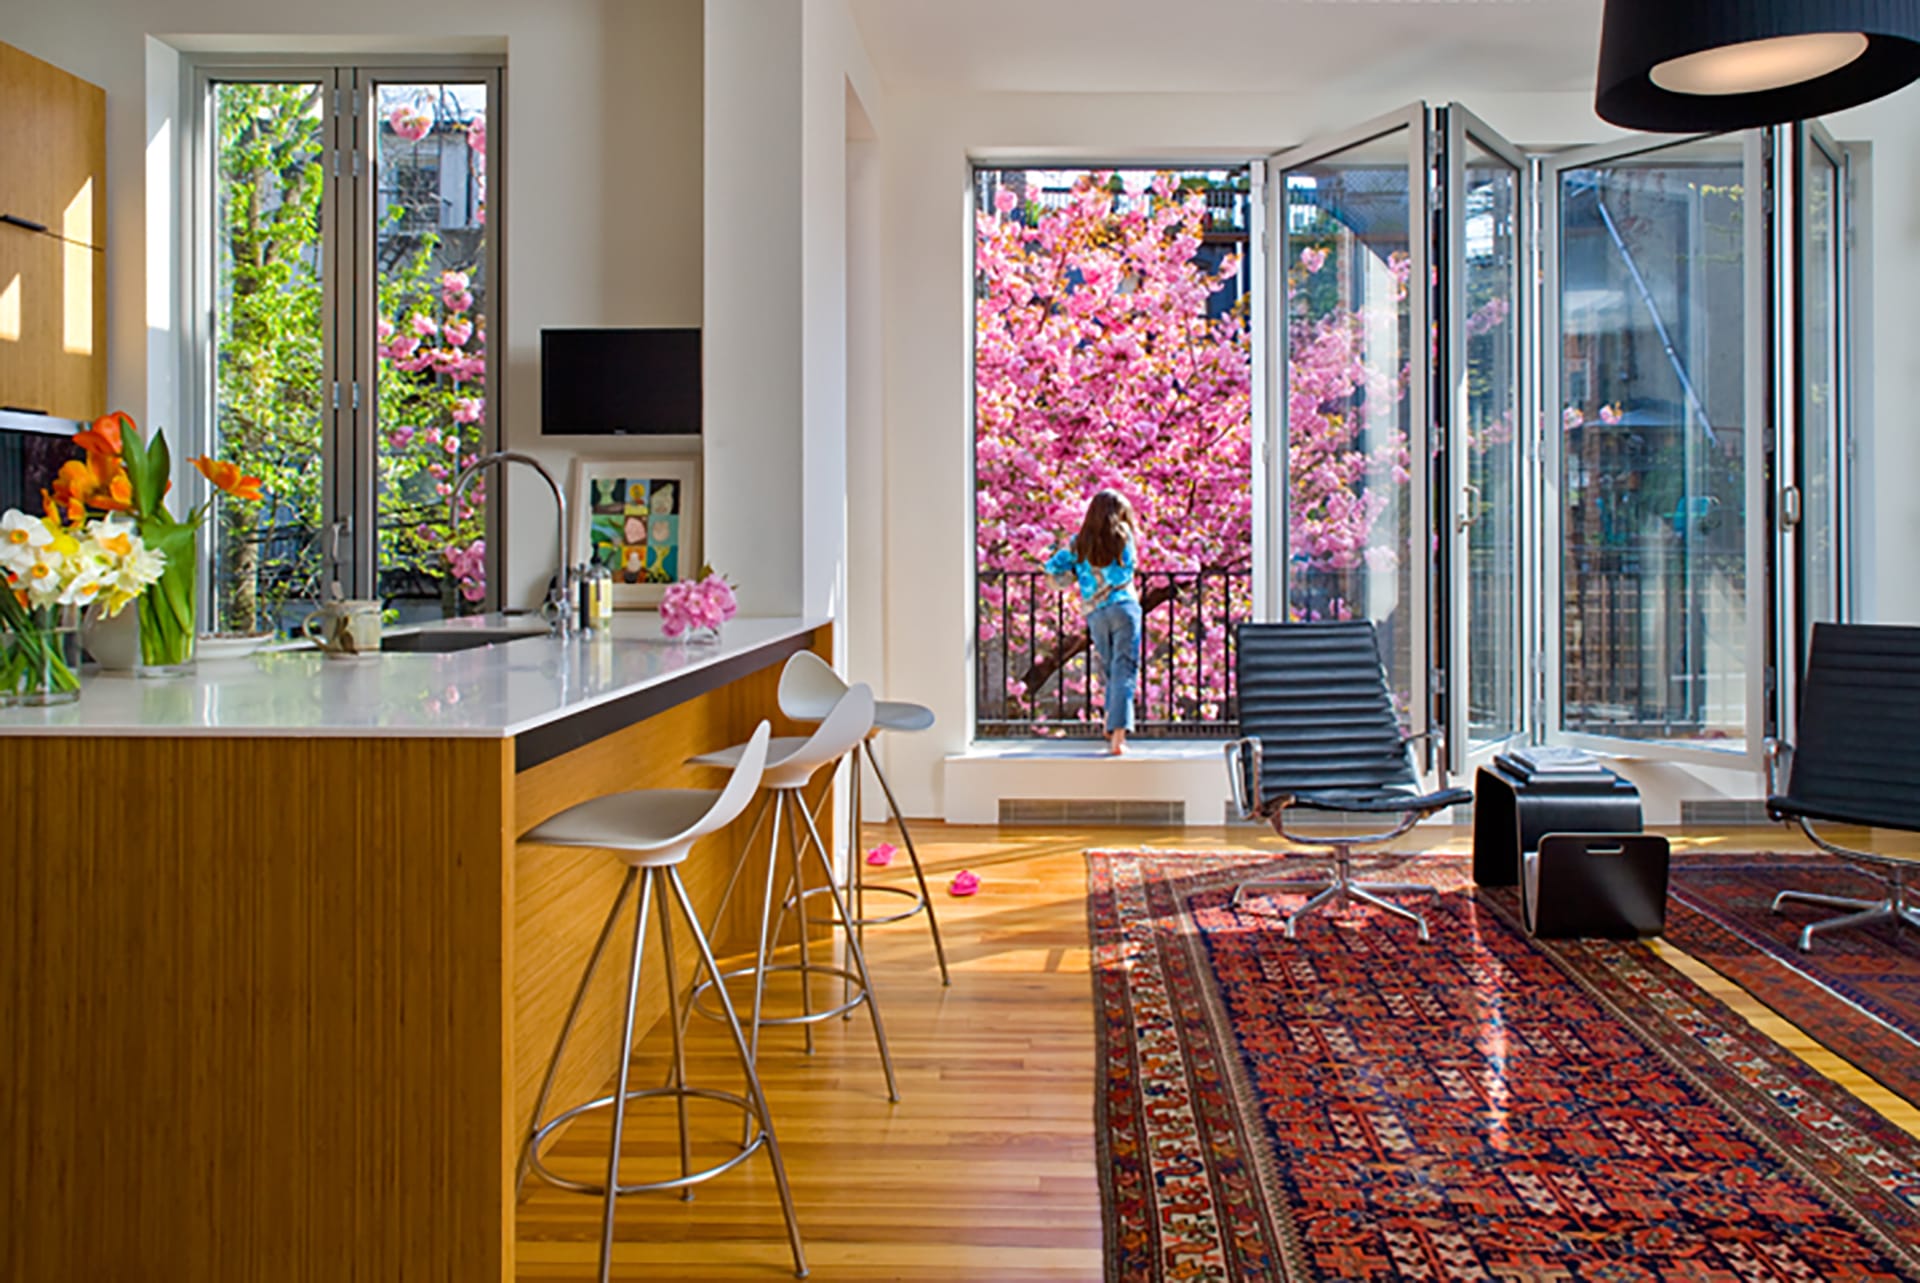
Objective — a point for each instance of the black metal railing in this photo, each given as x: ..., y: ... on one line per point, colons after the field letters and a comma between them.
x: 1035, y: 668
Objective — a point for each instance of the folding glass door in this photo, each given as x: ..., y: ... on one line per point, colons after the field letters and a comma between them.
x: 1481, y: 417
x: 349, y: 277
x: 1655, y: 374
x: 1351, y: 292
x: 1814, y: 449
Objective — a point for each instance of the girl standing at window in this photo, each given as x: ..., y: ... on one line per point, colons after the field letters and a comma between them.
x: 1098, y: 565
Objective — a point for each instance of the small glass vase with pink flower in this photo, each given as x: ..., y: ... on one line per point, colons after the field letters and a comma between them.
x: 694, y: 609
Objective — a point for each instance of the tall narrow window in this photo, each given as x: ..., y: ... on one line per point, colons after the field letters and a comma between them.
x: 352, y: 290
x: 269, y: 379
x: 1112, y: 349
x: 429, y: 253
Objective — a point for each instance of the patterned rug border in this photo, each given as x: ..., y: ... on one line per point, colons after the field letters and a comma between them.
x: 1864, y: 1032
x: 1728, y: 1026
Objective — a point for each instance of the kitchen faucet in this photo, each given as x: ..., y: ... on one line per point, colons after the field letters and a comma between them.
x: 560, y: 592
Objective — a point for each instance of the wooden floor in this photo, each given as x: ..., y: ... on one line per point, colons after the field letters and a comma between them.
x: 985, y: 1169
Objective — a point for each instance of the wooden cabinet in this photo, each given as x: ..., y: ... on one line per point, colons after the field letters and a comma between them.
x: 53, y: 286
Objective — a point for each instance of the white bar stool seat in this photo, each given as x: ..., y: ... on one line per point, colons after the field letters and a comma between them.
x: 792, y: 763
x: 653, y: 831
x: 809, y: 687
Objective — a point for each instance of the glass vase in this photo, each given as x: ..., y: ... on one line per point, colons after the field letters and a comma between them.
x: 168, y: 620
x: 40, y: 657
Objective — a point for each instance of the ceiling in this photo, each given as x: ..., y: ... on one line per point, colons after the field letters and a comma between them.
x: 1232, y: 46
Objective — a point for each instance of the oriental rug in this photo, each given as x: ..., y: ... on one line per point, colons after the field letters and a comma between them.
x: 1354, y: 1104
x: 1857, y: 991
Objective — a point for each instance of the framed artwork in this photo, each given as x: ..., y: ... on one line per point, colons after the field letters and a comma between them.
x: 640, y: 518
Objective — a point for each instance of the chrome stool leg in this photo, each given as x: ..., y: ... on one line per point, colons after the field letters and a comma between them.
x: 626, y: 1070
x: 913, y: 857
x: 799, y: 902
x: 573, y: 1014
x: 679, y: 1048
x: 859, y: 961
x: 754, y: 1091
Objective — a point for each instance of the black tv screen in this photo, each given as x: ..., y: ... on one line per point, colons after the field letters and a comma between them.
x: 627, y: 382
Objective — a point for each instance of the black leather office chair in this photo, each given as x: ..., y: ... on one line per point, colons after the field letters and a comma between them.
x: 1319, y: 730
x: 1857, y: 762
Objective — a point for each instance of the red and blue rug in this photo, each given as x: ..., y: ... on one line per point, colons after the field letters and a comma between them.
x: 1356, y: 1105
x: 1857, y: 991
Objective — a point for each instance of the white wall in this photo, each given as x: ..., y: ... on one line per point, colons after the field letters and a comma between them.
x: 1887, y: 467
x: 779, y: 80
x: 602, y: 180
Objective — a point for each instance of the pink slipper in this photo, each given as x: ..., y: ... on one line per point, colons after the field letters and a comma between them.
x: 881, y: 856
x: 965, y: 882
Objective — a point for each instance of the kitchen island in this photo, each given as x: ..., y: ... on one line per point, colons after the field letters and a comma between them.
x: 277, y: 980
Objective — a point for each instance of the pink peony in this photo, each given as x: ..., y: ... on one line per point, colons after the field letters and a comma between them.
x: 424, y: 326
x: 1313, y: 259
x: 477, y: 136
x: 707, y: 604
x: 457, y: 300
x: 400, y: 438
x: 457, y: 332
x: 469, y: 409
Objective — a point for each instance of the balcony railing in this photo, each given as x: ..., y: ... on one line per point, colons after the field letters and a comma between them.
x: 1035, y: 665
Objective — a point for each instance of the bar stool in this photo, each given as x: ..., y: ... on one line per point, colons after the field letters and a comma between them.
x: 792, y: 762
x: 809, y: 688
x: 652, y: 830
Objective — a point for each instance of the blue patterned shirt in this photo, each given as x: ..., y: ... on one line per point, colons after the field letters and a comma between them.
x: 1117, y: 578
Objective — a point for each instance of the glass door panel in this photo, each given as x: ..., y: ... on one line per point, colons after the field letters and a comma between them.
x: 432, y: 280
x: 1820, y: 428
x: 269, y: 347
x: 1354, y: 261
x: 1482, y: 412
x: 1655, y: 442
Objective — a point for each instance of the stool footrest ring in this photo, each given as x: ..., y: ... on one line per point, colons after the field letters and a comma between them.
x: 919, y: 905
x: 741, y: 1103
x: 696, y: 1000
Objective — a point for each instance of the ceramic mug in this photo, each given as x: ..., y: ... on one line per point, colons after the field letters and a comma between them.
x: 347, y: 629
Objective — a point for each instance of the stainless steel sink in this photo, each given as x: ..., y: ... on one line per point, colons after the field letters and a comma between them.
x: 441, y: 641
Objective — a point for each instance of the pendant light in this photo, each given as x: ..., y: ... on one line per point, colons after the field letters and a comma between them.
x: 1687, y: 66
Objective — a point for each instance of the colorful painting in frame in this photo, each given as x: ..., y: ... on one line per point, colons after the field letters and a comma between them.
x: 640, y: 518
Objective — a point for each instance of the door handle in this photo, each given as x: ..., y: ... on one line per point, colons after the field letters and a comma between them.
x: 1469, y: 502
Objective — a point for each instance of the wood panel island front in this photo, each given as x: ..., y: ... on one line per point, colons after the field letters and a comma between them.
x: 277, y: 980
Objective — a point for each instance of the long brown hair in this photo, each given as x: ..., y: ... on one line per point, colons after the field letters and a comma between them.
x: 1106, y: 531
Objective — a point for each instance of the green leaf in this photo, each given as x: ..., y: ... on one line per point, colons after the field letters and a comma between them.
x: 160, y: 459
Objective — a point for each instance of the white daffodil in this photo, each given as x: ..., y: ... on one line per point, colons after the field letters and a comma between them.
x: 89, y: 580
x: 43, y: 580
x: 112, y: 540
x: 21, y: 539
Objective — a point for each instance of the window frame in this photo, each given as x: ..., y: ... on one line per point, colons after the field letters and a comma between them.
x: 348, y: 451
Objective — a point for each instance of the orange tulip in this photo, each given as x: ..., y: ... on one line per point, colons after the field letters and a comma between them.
x: 103, y: 439
x: 227, y: 478
x: 95, y: 482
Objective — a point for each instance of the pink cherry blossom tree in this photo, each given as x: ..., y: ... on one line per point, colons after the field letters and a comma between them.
x: 1112, y: 349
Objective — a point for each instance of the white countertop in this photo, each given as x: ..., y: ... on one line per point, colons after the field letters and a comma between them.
x: 493, y: 692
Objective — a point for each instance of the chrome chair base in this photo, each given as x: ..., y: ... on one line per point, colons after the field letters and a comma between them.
x: 758, y: 1133
x: 1337, y: 889
x: 1892, y: 908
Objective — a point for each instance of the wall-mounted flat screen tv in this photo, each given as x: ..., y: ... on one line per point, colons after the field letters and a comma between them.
x: 620, y: 382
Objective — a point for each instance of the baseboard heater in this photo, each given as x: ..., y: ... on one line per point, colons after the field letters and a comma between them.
x: 1069, y: 810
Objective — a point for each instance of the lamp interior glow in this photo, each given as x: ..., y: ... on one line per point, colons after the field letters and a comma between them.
x: 1755, y: 66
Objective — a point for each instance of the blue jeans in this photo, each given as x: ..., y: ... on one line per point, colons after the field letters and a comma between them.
x: 1115, y: 632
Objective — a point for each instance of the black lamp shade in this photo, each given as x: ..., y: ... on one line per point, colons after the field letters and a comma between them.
x: 1640, y: 35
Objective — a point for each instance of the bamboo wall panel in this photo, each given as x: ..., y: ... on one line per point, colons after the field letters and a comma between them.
x: 53, y: 295
x: 562, y: 894
x: 253, y: 996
